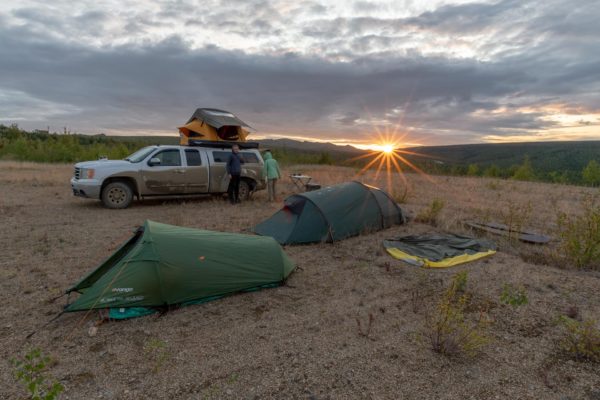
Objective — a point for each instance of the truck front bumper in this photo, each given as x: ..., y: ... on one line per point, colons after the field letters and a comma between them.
x: 89, y: 188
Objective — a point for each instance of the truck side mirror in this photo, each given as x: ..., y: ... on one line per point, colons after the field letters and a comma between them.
x: 154, y: 161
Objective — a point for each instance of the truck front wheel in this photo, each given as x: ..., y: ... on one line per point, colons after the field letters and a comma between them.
x: 117, y: 194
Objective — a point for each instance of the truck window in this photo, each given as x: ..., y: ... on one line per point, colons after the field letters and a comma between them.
x: 140, y: 154
x: 169, y: 158
x: 221, y: 156
x: 249, y: 158
x: 192, y: 157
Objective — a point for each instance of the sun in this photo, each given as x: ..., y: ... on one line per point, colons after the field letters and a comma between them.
x: 387, y: 153
x: 387, y: 148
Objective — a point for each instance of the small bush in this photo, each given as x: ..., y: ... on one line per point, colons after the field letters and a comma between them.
x: 459, y: 281
x: 525, y: 171
x: 157, y: 353
x: 580, y: 235
x: 513, y: 296
x: 515, y: 217
x: 31, y: 371
x: 582, y: 339
x: 400, y: 197
x: 430, y: 214
x: 367, y: 331
x: 448, y: 331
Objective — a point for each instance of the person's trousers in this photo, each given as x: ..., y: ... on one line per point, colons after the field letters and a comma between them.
x: 233, y: 190
x: 271, y: 186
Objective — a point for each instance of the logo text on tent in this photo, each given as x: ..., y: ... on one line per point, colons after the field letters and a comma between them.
x: 122, y: 289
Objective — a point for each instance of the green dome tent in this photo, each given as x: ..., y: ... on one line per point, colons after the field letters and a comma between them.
x: 164, y: 265
x: 332, y: 213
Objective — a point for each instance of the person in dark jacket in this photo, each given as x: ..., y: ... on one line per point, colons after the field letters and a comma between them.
x: 234, y: 170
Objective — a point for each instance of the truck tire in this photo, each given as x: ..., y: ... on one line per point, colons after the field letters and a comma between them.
x: 244, y: 190
x: 117, y: 194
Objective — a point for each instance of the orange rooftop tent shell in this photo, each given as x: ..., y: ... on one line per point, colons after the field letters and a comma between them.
x: 213, y: 125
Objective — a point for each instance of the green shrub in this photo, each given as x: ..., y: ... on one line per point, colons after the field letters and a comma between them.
x: 459, y: 281
x: 157, y: 353
x: 430, y: 214
x: 582, y: 339
x: 525, y: 171
x: 580, y: 235
x: 448, y: 331
x: 31, y: 371
x: 591, y: 173
x: 473, y: 170
x: 492, y: 171
x: 513, y: 296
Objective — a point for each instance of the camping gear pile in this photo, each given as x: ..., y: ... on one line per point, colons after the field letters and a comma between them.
x: 164, y: 266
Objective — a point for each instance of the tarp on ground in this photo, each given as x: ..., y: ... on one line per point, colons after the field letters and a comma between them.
x: 496, y: 228
x: 332, y: 213
x: 214, y: 125
x: 164, y: 265
x: 438, y: 250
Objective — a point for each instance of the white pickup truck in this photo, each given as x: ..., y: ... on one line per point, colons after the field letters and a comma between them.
x: 165, y: 171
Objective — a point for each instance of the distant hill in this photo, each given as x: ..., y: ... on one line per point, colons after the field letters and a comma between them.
x: 307, y: 146
x: 566, y: 158
x: 544, y: 156
x: 148, y: 140
x: 506, y: 154
x: 562, y: 162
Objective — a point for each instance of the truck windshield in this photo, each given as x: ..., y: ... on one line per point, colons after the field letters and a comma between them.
x: 140, y: 154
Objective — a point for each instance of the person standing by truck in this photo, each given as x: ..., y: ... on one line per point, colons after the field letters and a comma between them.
x: 271, y: 173
x: 234, y: 169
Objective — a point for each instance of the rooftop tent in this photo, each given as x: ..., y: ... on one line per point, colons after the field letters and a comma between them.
x: 164, y: 265
x: 332, y: 213
x: 438, y: 250
x: 214, y: 125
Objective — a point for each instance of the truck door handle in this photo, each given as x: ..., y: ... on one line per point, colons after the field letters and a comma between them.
x: 180, y: 171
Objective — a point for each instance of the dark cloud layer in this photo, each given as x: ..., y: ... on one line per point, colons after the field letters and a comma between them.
x: 354, y: 79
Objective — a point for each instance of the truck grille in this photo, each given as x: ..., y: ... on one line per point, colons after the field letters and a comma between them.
x: 77, y: 172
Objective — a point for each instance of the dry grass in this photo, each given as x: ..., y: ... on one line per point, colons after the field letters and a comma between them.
x: 300, y: 340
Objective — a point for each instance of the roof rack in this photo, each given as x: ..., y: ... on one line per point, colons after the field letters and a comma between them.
x: 222, y: 144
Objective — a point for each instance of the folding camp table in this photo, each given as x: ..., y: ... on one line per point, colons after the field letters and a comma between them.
x: 302, y: 182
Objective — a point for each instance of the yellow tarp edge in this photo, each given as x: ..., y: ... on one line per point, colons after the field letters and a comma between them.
x: 448, y: 262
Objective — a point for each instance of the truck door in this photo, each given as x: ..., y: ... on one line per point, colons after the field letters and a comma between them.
x: 219, y: 180
x: 197, y: 171
x: 163, y: 173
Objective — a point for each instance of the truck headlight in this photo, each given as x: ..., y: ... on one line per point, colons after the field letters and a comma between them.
x: 86, y: 173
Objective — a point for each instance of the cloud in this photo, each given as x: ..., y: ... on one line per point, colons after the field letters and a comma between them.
x: 342, y: 78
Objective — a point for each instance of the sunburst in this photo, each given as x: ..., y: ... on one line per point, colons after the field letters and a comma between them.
x: 387, y: 153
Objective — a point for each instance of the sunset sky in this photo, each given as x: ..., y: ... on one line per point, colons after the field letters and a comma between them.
x: 434, y: 72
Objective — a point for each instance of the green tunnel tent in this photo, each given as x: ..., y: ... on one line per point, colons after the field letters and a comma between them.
x: 332, y: 213
x: 165, y: 265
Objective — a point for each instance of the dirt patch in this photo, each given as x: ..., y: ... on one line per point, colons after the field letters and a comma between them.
x: 347, y: 325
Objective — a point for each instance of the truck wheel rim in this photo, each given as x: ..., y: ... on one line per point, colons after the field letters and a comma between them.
x: 116, y: 195
x: 243, y: 191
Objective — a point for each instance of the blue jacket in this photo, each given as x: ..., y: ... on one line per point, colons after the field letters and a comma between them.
x: 234, y: 164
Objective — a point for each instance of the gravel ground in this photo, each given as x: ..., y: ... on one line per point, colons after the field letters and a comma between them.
x: 301, y: 340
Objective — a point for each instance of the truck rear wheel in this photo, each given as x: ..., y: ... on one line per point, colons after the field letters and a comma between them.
x: 117, y: 194
x: 244, y: 190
